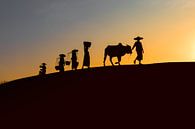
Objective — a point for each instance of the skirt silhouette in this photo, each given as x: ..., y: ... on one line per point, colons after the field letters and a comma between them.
x: 139, y: 55
x: 86, y: 61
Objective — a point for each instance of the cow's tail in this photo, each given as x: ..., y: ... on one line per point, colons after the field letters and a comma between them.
x: 105, y: 56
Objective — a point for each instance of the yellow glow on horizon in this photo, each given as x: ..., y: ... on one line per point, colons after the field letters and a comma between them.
x: 169, y: 36
x: 192, y: 50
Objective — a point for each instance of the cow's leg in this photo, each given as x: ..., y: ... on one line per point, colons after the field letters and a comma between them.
x: 105, y: 55
x: 111, y: 61
x: 119, y: 60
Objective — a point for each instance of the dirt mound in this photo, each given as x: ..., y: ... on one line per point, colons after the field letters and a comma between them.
x: 156, y: 94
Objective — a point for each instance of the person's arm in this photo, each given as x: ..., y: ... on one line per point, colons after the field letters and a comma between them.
x: 142, y: 49
x: 133, y: 46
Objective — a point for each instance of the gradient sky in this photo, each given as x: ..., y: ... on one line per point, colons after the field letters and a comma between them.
x: 36, y: 31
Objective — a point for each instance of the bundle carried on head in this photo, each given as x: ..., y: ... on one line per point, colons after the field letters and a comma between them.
x: 62, y: 55
x: 75, y: 51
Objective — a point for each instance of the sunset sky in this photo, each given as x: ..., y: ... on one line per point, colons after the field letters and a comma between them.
x: 37, y: 31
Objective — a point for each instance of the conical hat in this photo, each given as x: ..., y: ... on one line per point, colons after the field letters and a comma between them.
x: 138, y: 38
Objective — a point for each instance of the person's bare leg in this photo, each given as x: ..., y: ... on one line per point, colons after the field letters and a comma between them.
x: 140, y: 62
x: 119, y: 61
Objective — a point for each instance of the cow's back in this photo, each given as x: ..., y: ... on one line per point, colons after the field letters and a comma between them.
x: 112, y: 50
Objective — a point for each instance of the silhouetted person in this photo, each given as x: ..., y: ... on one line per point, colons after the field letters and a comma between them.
x: 75, y: 63
x: 86, y: 61
x: 139, y: 49
x: 61, y: 63
x: 42, y: 69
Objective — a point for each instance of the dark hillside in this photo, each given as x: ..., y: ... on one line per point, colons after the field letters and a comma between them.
x: 153, y: 95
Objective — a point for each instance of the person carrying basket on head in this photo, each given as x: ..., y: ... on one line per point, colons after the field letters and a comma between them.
x: 75, y: 63
x: 86, y: 60
x: 61, y: 63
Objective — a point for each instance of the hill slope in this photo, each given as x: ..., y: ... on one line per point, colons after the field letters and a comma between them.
x: 157, y: 93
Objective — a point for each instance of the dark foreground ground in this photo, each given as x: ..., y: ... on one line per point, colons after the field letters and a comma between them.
x: 147, y: 96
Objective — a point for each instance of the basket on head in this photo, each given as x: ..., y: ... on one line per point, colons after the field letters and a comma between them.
x: 75, y: 51
x: 62, y: 55
x: 87, y: 44
x: 57, y: 67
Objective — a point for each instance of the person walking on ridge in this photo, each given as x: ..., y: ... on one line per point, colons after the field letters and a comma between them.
x: 86, y: 60
x: 75, y: 63
x: 61, y: 63
x: 42, y: 69
x: 139, y: 49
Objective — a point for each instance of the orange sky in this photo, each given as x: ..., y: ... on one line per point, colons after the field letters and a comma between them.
x: 166, y: 25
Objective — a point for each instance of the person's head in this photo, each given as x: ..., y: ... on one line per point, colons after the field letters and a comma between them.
x: 62, y: 55
x: 138, y: 38
x: 44, y: 64
x: 120, y: 44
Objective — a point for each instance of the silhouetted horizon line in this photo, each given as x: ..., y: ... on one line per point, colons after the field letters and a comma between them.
x: 97, y: 67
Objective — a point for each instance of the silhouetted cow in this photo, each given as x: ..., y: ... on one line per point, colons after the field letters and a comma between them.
x: 116, y: 51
